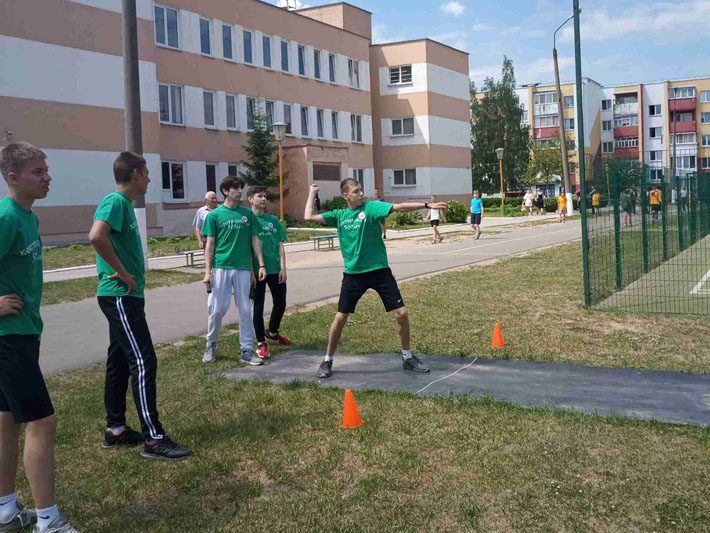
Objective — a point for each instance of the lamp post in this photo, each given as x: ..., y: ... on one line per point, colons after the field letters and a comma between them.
x: 499, y: 153
x: 279, y: 133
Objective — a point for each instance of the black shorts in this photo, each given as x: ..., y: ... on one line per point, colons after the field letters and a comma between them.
x: 475, y: 218
x: 22, y: 388
x: 656, y: 207
x: 381, y: 281
x: 434, y: 222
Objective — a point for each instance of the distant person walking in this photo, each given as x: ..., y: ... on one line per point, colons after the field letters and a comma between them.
x: 596, y: 202
x: 435, y: 216
x: 562, y: 206
x: 528, y: 201
x: 201, y: 214
x: 476, y: 213
x: 540, y: 203
x: 627, y: 200
x: 655, y: 202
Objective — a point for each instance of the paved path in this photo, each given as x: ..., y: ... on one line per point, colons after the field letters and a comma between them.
x: 673, y: 397
x: 76, y: 333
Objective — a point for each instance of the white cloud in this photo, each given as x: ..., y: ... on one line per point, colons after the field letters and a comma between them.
x: 539, y: 70
x: 381, y: 34
x: 453, y: 8
x: 523, y: 33
x: 457, y: 39
x: 479, y: 74
x: 668, y: 20
x: 482, y: 26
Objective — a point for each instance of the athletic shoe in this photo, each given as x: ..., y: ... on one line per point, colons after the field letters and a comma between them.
x: 250, y: 358
x: 478, y: 234
x: 24, y: 517
x: 414, y: 365
x: 129, y: 437
x: 59, y: 525
x: 165, y: 449
x: 325, y: 370
x: 210, y: 351
x: 262, y: 350
x: 441, y: 238
x: 282, y: 339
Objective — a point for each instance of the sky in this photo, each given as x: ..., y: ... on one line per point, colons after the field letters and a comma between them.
x: 623, y: 41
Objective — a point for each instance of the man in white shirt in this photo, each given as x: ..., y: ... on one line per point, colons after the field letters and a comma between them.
x: 528, y: 201
x: 210, y: 204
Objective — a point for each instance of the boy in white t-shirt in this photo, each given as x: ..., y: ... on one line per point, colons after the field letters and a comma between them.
x: 434, y: 216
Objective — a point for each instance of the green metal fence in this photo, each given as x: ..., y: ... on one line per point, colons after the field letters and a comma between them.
x: 648, y: 237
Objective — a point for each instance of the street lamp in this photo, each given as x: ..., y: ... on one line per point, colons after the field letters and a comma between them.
x: 279, y: 129
x: 499, y: 153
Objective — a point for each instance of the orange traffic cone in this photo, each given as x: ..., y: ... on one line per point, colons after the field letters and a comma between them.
x: 351, y: 417
x: 497, y: 341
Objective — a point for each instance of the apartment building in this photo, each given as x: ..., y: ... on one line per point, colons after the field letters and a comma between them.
x: 206, y: 68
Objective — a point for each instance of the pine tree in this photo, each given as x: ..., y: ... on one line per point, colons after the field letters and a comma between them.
x: 496, y: 119
x: 262, y: 167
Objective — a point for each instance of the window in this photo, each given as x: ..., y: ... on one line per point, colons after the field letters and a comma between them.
x: 403, y: 126
x: 205, y: 36
x: 170, y: 97
x: 544, y: 98
x: 705, y: 163
x: 400, y: 75
x: 320, y: 130
x: 705, y: 118
x: 571, y: 145
x: 266, y: 45
x: 548, y: 121
x: 231, y: 112
x: 656, y: 174
x: 627, y: 142
x: 705, y: 140
x: 208, y: 104
x: 524, y: 121
x: 316, y: 64
x: 606, y: 125
x: 405, y: 177
x: 331, y: 67
x: 166, y: 27
x: 287, y: 118
x: 547, y: 143
x: 334, y: 123
x: 211, y: 177
x: 606, y: 105
x: 304, y: 121
x: 607, y: 147
x: 174, y: 179
x: 354, y: 73
x: 683, y: 117
x: 227, y: 41
x: 686, y: 162
x: 248, y: 56
x: 269, y: 115
x: 622, y: 122
x: 685, y: 138
x: 655, y: 133
x: 301, y: 60
x: 233, y: 169
x: 568, y: 101
x: 569, y: 124
x: 655, y: 155
x: 681, y: 92
x: 358, y: 174
x: 284, y: 56
x: 654, y: 110
x: 705, y: 96
x: 545, y: 103
x: 356, y: 128
x: 251, y: 111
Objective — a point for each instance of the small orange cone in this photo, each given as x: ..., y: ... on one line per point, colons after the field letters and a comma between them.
x: 497, y: 341
x: 351, y: 417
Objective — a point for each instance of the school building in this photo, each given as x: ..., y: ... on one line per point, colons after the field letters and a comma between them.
x: 393, y: 116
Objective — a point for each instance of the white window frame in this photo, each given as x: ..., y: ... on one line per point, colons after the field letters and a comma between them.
x: 332, y: 68
x: 354, y: 73
x: 654, y: 110
x: 547, y: 121
x: 705, y: 163
x: 400, y: 121
x: 404, y: 174
x: 269, y: 115
x: 681, y: 92
x: 685, y: 138
x: 608, y: 144
x: 705, y: 141
x: 235, y: 113
x: 288, y: 120
x: 285, y: 57
x: 170, y: 177
x: 626, y: 142
x: 401, y: 75
x: 165, y: 26
x: 547, y: 97
x: 705, y: 118
x: 356, y: 128
x: 681, y: 160
x: 565, y: 99
x: 525, y: 120
x: 682, y: 117
x: 211, y: 95
x: 606, y: 104
x: 569, y: 124
x: 171, y: 120
x: 304, y: 121
x: 266, y: 51
x: 317, y: 70
x: 250, y: 35
x: 334, y: 123
x: 628, y: 120
x: 655, y: 132
x: 606, y: 123
x: 320, y: 123
x: 209, y: 37
x: 302, y: 66
x: 358, y: 174
x: 655, y: 155
x: 254, y: 110
x: 231, y: 41
x: 705, y: 97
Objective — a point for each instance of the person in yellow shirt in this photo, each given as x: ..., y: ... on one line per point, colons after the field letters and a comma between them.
x: 562, y: 205
x: 655, y: 202
x: 596, y: 202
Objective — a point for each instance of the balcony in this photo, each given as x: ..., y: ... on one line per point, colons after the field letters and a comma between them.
x: 626, y: 109
x: 626, y: 131
x: 627, y: 153
x: 688, y: 126
x: 545, y: 109
x: 681, y: 104
x: 547, y: 133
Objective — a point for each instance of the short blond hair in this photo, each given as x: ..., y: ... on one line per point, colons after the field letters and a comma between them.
x: 15, y: 156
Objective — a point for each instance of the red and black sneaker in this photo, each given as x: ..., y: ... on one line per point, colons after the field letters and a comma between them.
x: 262, y: 350
x: 282, y: 339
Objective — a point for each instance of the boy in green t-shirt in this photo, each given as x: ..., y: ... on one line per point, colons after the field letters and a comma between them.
x: 232, y: 231
x: 366, y: 265
x: 272, y: 236
x: 23, y: 394
x: 119, y: 261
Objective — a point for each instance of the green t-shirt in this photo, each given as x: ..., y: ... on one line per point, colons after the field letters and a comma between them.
x: 116, y: 210
x: 20, y: 267
x: 360, y: 236
x: 232, y: 230
x: 271, y: 233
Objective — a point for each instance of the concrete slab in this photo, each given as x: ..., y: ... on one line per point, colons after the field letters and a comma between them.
x: 672, y: 397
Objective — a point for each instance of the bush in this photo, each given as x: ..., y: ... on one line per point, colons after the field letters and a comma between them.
x: 515, y: 201
x: 410, y: 218
x: 456, y: 212
x: 337, y: 202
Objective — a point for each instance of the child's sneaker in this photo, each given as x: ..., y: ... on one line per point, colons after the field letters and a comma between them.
x: 25, y: 517
x: 210, y: 351
x: 281, y: 339
x: 250, y: 358
x: 262, y: 350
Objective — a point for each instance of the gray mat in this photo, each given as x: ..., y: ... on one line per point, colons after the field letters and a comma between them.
x: 642, y: 394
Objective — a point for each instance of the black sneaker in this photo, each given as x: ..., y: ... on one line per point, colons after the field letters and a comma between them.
x: 414, y: 365
x: 325, y: 370
x: 165, y: 449
x: 128, y: 438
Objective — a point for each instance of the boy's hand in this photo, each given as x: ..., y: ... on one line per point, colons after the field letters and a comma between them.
x: 10, y: 304
x: 313, y: 190
x: 126, y: 278
x: 282, y: 276
x: 262, y: 273
x: 438, y: 205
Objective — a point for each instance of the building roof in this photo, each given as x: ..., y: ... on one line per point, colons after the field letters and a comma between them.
x: 332, y: 4
x: 418, y: 40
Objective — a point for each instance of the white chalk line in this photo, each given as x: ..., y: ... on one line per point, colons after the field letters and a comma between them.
x: 445, y: 377
x: 698, y: 289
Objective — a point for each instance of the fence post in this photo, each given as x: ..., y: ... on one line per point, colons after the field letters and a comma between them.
x: 664, y: 222
x: 680, y: 210
x: 617, y: 228
x: 644, y: 222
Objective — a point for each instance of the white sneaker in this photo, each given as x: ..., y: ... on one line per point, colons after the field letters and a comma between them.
x: 210, y: 351
x: 25, y: 517
x: 59, y: 525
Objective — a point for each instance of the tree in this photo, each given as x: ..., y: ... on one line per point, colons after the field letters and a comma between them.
x: 262, y: 167
x: 545, y: 165
x: 496, y: 116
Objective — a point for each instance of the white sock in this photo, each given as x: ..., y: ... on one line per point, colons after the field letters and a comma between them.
x: 8, y: 507
x: 46, y: 516
x: 117, y: 430
x: 328, y: 358
x: 407, y: 354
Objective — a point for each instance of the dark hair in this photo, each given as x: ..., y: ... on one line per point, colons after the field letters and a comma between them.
x: 347, y: 183
x: 125, y: 164
x: 257, y: 189
x: 231, y: 182
x: 15, y: 155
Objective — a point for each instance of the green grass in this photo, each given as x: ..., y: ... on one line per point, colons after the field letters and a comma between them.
x: 73, y: 290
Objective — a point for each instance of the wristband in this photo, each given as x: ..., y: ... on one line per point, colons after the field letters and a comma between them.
x: 262, y: 266
x: 426, y: 205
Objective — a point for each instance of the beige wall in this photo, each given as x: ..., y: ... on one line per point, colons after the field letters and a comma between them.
x: 341, y: 15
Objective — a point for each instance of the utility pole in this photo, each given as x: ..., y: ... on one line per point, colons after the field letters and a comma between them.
x: 132, y: 103
x: 560, y: 115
